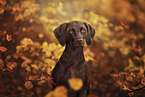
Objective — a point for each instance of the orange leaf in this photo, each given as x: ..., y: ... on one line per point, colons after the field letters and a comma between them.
x: 41, y: 82
x: 131, y: 94
x: 3, y: 49
x: 28, y: 85
x: 42, y: 77
x: 10, y: 65
x: 24, y: 64
x: 1, y: 63
x: 8, y: 37
x: 33, y: 78
x: 143, y: 81
x: 28, y: 68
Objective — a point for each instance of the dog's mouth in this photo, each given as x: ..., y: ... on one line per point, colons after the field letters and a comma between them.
x: 80, y: 44
x: 77, y: 44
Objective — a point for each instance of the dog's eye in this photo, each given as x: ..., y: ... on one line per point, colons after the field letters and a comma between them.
x: 72, y: 31
x: 83, y: 31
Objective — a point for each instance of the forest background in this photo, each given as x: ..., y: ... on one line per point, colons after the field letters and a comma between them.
x: 29, y: 49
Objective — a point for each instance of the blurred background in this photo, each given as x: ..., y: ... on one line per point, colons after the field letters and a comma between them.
x: 29, y: 49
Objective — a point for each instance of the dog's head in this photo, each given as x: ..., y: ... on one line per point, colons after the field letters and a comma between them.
x: 74, y: 32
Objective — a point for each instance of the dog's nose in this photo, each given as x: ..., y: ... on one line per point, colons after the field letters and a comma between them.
x: 79, y: 40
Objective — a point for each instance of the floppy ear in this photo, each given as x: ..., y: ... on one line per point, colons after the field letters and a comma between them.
x: 90, y: 33
x: 60, y: 33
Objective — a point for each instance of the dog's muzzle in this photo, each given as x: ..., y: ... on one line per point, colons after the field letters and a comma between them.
x: 80, y: 42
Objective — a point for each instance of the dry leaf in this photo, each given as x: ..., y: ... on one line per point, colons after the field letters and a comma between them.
x: 41, y: 82
x: 28, y: 85
x: 33, y: 78
x: 42, y: 77
x: 131, y: 94
x: 8, y: 37
x: 1, y: 63
x: 3, y: 49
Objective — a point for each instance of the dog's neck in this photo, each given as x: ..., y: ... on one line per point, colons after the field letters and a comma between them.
x: 72, y: 56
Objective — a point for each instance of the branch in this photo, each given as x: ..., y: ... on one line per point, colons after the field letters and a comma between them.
x: 133, y: 91
x: 23, y: 81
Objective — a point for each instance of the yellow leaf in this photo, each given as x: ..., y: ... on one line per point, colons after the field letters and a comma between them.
x: 50, y: 62
x: 75, y: 83
x: 141, y: 69
x: 52, y: 47
x: 18, y: 48
x: 48, y: 70
x: 124, y: 50
x: 50, y: 94
x: 41, y: 35
x: 26, y: 41
x: 143, y: 57
x: 60, y: 91
x: 34, y: 66
x: 48, y: 53
x: 44, y: 19
x: 45, y: 44
x: 88, y: 58
x: 131, y: 62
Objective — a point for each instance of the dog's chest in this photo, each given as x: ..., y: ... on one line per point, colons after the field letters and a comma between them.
x: 74, y: 71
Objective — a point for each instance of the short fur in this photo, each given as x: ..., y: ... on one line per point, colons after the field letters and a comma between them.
x: 72, y: 62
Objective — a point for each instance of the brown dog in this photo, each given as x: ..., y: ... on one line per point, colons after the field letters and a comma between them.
x: 72, y: 62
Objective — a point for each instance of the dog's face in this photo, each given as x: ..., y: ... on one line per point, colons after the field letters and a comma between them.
x: 75, y: 33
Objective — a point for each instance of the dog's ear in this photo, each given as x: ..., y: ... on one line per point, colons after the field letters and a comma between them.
x: 60, y: 33
x: 90, y: 33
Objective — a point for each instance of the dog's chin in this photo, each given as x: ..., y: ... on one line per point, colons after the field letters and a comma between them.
x: 79, y: 45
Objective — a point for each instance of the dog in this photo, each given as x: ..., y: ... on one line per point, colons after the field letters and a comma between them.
x: 72, y: 62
